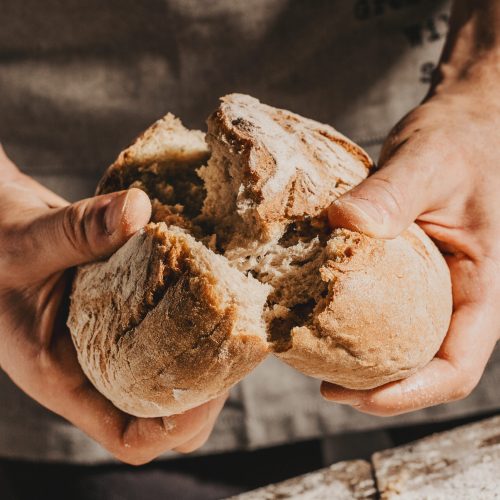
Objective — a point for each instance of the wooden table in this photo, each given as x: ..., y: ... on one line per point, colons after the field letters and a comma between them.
x: 461, y: 464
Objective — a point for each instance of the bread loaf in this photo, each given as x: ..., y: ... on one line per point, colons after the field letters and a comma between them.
x: 165, y: 323
x: 239, y: 261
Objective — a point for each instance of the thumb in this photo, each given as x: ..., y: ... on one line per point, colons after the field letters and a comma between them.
x: 85, y: 231
x: 386, y: 203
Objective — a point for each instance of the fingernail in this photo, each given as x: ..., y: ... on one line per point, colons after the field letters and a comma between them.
x: 114, y: 213
x: 363, y: 209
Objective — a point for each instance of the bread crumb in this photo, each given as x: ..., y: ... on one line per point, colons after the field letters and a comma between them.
x: 168, y: 424
x: 179, y: 393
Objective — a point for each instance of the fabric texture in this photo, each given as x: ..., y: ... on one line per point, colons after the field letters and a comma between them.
x: 78, y: 80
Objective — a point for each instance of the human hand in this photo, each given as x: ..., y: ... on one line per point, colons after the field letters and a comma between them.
x: 41, y: 238
x: 440, y: 167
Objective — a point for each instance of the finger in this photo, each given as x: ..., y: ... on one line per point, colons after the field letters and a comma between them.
x: 51, y: 199
x: 410, y: 182
x: 384, y: 204
x: 53, y: 240
x: 179, y: 429
x: 201, y: 438
x: 63, y: 388
x: 131, y: 439
x: 60, y: 384
x: 414, y: 393
x: 450, y: 376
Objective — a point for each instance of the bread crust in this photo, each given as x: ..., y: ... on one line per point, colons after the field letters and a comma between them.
x: 166, y: 141
x: 165, y: 324
x: 292, y: 167
x: 386, y: 313
x: 160, y: 334
x: 163, y: 161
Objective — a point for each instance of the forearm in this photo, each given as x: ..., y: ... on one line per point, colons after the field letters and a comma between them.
x: 472, y: 49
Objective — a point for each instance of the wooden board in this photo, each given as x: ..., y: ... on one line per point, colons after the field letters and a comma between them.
x: 463, y: 463
x: 342, y: 481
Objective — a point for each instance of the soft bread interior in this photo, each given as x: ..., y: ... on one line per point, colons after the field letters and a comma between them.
x: 207, y: 201
x: 233, y: 287
x: 222, y: 204
x: 181, y: 254
x: 163, y: 163
x: 289, y: 261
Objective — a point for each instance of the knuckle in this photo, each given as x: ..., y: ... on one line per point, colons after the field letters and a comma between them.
x: 390, y: 196
x: 75, y: 226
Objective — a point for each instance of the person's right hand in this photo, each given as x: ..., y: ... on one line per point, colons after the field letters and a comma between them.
x: 41, y: 238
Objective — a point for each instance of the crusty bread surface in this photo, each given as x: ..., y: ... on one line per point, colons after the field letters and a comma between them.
x: 239, y: 261
x: 385, y: 313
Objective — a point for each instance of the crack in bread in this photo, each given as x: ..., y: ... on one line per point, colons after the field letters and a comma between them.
x: 199, y: 318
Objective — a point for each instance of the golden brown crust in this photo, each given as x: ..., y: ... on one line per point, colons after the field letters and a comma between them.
x: 161, y: 334
x: 165, y: 324
x: 162, y: 162
x: 292, y: 166
x: 166, y: 141
x: 386, y: 313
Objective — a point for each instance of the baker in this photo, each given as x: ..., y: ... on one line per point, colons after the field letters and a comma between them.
x: 78, y: 80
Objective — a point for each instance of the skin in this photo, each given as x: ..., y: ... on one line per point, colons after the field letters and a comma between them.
x: 42, y: 237
x: 439, y: 166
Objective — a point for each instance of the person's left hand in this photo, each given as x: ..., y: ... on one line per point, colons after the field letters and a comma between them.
x: 440, y: 167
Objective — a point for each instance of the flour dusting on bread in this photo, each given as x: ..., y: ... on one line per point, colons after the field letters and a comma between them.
x: 239, y: 260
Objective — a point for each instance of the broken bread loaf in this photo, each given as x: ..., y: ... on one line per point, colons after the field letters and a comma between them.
x: 239, y: 261
x: 164, y: 312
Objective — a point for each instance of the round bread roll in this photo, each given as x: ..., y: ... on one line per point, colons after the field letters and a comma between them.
x: 239, y: 261
x: 165, y: 324
x: 385, y: 313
